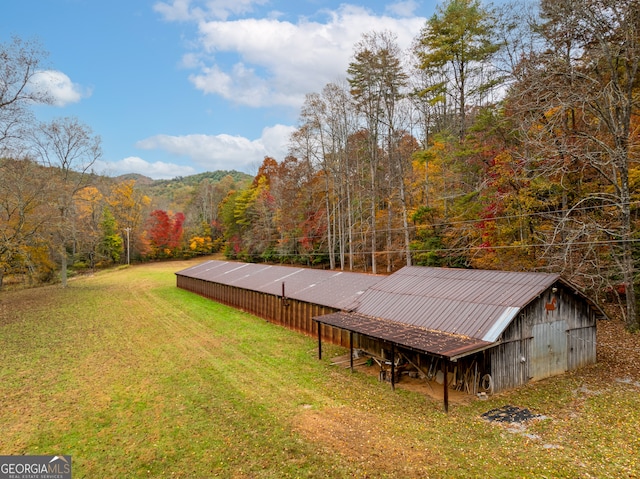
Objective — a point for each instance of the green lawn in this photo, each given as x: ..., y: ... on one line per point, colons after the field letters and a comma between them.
x: 133, y: 377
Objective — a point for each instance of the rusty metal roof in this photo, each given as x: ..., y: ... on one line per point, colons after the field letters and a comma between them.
x: 443, y: 311
x: 335, y: 289
x: 477, y: 304
x: 438, y: 343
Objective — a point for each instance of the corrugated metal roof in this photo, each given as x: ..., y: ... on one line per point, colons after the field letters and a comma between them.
x: 451, y: 346
x: 335, y: 289
x: 449, y: 311
x: 474, y: 303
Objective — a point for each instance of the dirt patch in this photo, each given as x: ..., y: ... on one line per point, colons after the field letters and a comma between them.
x: 361, y: 438
x: 32, y: 300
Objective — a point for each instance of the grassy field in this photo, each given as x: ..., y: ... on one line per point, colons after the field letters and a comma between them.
x: 133, y: 378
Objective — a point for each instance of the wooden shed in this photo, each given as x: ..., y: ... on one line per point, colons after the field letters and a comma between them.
x: 496, y: 329
x: 488, y: 330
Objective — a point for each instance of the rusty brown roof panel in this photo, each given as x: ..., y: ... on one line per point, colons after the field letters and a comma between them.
x: 202, y: 269
x: 335, y: 289
x: 451, y: 346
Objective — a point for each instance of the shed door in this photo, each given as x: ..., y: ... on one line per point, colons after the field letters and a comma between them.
x: 548, y: 355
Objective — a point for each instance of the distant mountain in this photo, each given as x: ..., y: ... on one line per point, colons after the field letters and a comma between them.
x: 213, y: 176
x: 191, y: 180
x: 140, y: 180
x: 176, y: 193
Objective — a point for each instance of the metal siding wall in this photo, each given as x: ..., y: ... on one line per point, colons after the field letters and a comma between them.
x: 548, y: 355
x: 570, y: 327
x: 507, y: 369
x: 582, y: 347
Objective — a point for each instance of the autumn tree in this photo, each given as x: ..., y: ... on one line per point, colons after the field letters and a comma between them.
x: 70, y: 149
x: 377, y: 78
x: 297, y: 201
x: 129, y: 205
x: 202, y: 243
x: 456, y: 52
x: 578, y: 106
x: 111, y: 241
x: 203, y: 209
x: 88, y: 206
x: 25, y: 217
x: 326, y: 122
x: 164, y: 233
x: 253, y: 215
x: 231, y: 230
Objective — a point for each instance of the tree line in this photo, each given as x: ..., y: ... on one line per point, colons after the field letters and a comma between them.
x: 504, y: 138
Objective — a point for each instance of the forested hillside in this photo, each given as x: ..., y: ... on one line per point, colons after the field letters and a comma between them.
x: 506, y: 138
x: 103, y: 221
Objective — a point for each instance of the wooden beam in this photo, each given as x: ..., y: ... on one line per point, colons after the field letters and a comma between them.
x: 351, y: 350
x: 446, y: 386
x: 393, y: 366
x: 319, y: 340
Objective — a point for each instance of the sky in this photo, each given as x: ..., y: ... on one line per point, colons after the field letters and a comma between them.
x: 179, y: 87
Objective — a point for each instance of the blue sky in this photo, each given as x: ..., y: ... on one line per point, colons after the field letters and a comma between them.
x: 178, y: 87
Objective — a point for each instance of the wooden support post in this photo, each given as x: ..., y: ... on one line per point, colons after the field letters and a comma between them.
x: 282, y: 301
x: 446, y: 386
x: 393, y: 367
x: 351, y: 350
x: 319, y: 340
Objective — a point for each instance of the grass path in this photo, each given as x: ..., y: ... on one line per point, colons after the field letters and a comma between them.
x: 135, y: 378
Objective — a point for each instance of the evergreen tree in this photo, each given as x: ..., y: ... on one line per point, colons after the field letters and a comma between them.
x: 458, y: 42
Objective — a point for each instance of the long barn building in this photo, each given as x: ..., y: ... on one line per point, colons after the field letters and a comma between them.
x: 489, y: 330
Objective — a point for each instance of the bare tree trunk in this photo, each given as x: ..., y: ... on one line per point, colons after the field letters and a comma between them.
x: 374, y: 238
x: 330, y: 235
x: 63, y: 266
x: 405, y: 221
x: 628, y: 264
x: 389, y: 234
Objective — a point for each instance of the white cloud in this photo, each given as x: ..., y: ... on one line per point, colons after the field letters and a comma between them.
x: 270, y: 62
x: 185, y: 10
x: 178, y: 11
x: 404, y: 8
x: 133, y: 164
x: 59, y: 87
x: 224, y: 152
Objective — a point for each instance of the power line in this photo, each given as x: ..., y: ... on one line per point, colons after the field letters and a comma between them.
x: 451, y: 223
x: 451, y: 250
x: 466, y: 248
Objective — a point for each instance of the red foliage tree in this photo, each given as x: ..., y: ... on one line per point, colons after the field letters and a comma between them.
x: 164, y: 233
x: 176, y: 231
